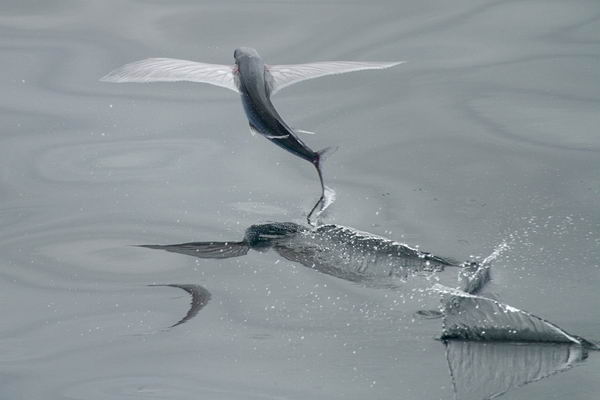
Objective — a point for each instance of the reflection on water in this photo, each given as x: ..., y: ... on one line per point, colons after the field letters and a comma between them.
x: 482, y: 371
x: 491, y: 347
x: 200, y: 298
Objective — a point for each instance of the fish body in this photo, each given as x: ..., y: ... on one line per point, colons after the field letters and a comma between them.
x: 255, y: 82
x: 336, y: 250
x: 262, y: 115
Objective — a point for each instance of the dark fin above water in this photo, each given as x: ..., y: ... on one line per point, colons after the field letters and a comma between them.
x: 483, y: 371
x: 200, y: 298
x: 205, y: 249
x: 477, y: 318
x: 303, y: 132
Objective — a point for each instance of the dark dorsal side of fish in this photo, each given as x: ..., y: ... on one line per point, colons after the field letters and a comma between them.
x: 261, y: 114
x: 344, y: 252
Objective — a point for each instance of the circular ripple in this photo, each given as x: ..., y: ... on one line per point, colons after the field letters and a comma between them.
x: 560, y: 123
x: 121, y: 160
x: 162, y: 387
x: 83, y: 252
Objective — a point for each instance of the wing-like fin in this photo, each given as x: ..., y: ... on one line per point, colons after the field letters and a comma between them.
x: 276, y: 136
x: 471, y: 317
x: 302, y: 131
x: 281, y: 76
x: 253, y: 130
x: 205, y: 249
x: 173, y: 70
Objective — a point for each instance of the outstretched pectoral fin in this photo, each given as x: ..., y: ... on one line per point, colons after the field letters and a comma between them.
x: 205, y: 249
x: 253, y: 130
x: 173, y: 70
x: 276, y: 136
x: 302, y: 131
x: 280, y: 76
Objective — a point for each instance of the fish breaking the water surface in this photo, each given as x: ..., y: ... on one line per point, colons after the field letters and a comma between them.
x: 336, y: 250
x: 255, y: 82
x: 491, y: 347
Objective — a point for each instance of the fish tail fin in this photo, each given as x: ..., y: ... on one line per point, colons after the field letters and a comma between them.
x: 327, y: 194
x: 325, y: 153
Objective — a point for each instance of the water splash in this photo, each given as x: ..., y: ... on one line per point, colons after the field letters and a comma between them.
x: 475, y: 276
x: 325, y: 202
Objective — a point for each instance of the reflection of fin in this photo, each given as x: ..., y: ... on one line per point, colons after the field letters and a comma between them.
x: 280, y: 76
x: 200, y: 298
x: 487, y: 370
x: 205, y: 249
x: 302, y: 131
x: 173, y: 70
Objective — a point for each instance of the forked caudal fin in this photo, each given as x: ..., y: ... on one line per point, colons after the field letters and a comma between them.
x: 327, y: 194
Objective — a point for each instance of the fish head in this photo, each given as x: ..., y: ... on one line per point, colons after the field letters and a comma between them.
x: 242, y: 53
x: 265, y: 235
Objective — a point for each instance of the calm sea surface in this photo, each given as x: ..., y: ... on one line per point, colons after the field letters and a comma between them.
x: 488, y: 134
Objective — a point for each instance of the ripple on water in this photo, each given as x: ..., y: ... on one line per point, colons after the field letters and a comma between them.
x: 85, y: 252
x: 541, y: 120
x: 164, y: 387
x: 120, y: 161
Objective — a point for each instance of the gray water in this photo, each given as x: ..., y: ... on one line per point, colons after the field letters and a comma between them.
x: 487, y: 134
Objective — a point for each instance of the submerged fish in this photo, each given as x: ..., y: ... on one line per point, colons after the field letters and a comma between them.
x: 255, y: 82
x: 332, y: 249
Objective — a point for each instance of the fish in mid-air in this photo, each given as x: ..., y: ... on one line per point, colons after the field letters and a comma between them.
x: 255, y: 81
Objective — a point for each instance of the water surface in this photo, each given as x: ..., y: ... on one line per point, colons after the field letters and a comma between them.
x: 487, y: 134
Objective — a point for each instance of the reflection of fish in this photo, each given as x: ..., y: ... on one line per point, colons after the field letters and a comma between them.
x: 332, y: 249
x: 200, y: 298
x: 255, y: 82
